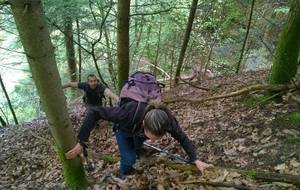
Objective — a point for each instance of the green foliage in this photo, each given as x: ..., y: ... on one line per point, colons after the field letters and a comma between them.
x: 218, y: 21
x: 293, y: 140
x: 234, y: 16
x: 25, y: 102
x: 253, y: 101
x: 251, y: 173
x: 294, y: 116
x: 283, y: 9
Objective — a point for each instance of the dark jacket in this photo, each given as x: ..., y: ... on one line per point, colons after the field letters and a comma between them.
x: 123, y: 115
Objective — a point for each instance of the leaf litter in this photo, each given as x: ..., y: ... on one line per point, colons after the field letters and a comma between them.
x: 228, y: 133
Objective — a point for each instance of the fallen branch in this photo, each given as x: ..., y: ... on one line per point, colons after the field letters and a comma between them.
x: 217, y: 184
x: 258, y: 175
x: 256, y: 87
x: 189, y: 83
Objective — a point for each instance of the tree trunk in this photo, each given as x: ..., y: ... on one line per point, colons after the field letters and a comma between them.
x: 186, y: 39
x: 6, y: 119
x: 3, y: 123
x: 123, y: 41
x: 34, y: 34
x: 79, y: 50
x: 110, y: 61
x: 70, y: 52
x: 172, y: 65
x: 287, y: 50
x: 245, y: 40
x: 8, y: 101
x: 157, y: 49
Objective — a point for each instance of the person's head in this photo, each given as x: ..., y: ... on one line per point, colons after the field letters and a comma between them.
x: 92, y: 81
x: 156, y: 121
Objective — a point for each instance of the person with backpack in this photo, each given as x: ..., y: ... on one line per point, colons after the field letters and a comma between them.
x: 94, y: 91
x: 140, y: 116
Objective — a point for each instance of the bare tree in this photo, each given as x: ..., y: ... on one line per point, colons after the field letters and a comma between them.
x: 8, y: 101
x: 186, y: 39
x: 246, y: 38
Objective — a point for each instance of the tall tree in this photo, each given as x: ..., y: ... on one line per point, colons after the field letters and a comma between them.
x: 246, y: 38
x: 34, y: 34
x: 8, y: 101
x: 157, y: 49
x: 79, y: 50
x: 288, y: 48
x: 70, y: 51
x: 110, y: 61
x: 123, y: 41
x: 2, y: 122
x: 186, y: 39
x: 69, y: 41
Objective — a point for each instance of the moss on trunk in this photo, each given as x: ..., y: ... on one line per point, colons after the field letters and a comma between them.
x: 287, y: 51
x: 34, y: 34
x: 74, y: 176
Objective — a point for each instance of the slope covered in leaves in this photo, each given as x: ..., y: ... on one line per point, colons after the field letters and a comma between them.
x: 233, y: 134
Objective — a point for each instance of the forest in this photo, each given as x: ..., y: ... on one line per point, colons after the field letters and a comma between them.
x: 221, y: 110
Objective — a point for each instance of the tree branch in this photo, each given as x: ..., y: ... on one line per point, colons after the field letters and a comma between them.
x: 217, y: 184
x: 189, y: 83
x: 153, y: 13
x: 4, y: 2
x: 257, y: 87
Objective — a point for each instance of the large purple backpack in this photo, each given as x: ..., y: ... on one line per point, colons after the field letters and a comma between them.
x: 142, y: 87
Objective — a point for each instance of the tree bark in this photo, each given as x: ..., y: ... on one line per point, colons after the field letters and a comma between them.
x: 246, y: 38
x: 110, y: 61
x: 34, y: 34
x: 157, y: 50
x: 186, y: 39
x: 79, y: 50
x: 288, y: 48
x: 3, y: 123
x: 70, y: 51
x: 123, y: 41
x: 6, y: 119
x: 8, y: 101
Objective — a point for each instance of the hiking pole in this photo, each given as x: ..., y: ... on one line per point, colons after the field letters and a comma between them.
x: 166, y: 152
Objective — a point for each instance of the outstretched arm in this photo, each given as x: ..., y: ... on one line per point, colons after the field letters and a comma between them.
x: 114, y: 114
x: 70, y: 84
x: 109, y: 93
x: 177, y: 133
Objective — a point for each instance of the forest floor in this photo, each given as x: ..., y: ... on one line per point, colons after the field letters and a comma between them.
x: 242, y: 133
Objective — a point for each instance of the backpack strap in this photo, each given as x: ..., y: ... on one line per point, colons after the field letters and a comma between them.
x: 138, y: 116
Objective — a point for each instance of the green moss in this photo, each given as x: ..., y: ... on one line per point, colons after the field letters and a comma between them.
x: 257, y: 100
x: 293, y: 140
x: 251, y: 173
x: 287, y: 51
x: 294, y: 116
x: 73, y: 173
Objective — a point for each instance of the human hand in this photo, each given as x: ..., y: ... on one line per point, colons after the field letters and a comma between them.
x: 202, y: 166
x: 71, y: 154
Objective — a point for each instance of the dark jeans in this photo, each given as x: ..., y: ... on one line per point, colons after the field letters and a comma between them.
x: 129, y: 146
